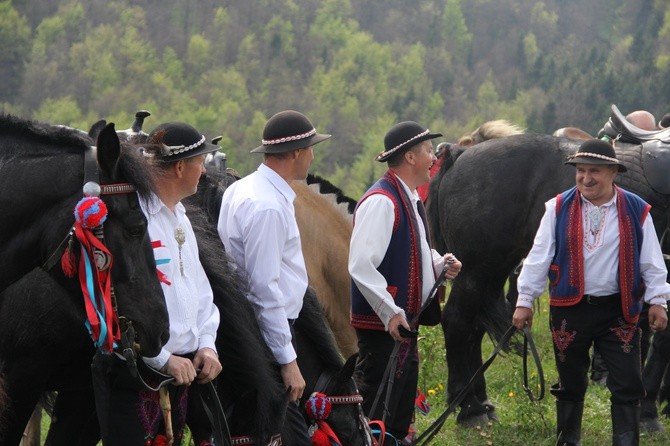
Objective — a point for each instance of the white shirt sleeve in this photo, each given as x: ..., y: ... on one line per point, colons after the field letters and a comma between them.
x: 533, y: 278
x: 265, y: 235
x: 370, y: 240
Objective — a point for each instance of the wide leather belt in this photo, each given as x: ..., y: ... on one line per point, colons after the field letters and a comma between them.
x: 602, y: 300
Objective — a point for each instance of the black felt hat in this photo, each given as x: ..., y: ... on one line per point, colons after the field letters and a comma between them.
x: 180, y: 141
x: 403, y: 136
x: 286, y: 131
x: 596, y: 151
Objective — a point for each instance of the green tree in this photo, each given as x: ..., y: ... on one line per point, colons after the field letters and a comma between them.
x: 14, y: 44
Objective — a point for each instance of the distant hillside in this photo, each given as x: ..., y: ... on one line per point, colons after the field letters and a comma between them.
x: 354, y: 67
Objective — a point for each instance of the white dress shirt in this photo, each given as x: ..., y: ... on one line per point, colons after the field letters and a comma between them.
x: 370, y: 240
x: 258, y: 228
x: 193, y: 316
x: 601, y: 257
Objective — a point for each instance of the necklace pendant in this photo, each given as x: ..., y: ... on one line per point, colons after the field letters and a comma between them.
x: 180, y: 238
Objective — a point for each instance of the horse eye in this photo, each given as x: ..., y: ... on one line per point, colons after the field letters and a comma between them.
x: 135, y: 230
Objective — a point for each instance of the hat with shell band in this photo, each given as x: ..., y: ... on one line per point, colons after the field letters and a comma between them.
x: 403, y: 136
x: 180, y: 141
x: 596, y: 151
x: 286, y: 131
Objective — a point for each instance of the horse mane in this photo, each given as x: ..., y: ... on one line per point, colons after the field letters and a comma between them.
x: 326, y: 188
x: 62, y: 139
x: 499, y: 128
x: 315, y: 330
x: 65, y: 138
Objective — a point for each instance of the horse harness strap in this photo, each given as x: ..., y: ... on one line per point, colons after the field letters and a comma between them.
x: 91, y: 175
x: 320, y: 422
x: 434, y: 428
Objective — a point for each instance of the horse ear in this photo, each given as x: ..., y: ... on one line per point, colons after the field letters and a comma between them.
x: 347, y: 370
x: 96, y: 129
x: 109, y: 149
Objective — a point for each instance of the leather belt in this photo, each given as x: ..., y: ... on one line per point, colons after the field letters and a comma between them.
x: 602, y: 300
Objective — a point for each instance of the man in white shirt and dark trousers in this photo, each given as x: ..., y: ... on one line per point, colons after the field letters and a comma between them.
x: 393, y: 270
x: 258, y: 228
x: 597, y: 244
x: 177, y: 152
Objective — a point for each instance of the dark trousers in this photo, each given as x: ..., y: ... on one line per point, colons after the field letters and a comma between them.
x: 128, y: 413
x: 598, y: 322
x: 375, y: 348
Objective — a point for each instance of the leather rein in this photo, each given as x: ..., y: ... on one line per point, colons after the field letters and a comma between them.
x: 529, y: 344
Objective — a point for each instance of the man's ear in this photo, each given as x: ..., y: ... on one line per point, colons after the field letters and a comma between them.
x: 178, y: 168
x: 409, y: 157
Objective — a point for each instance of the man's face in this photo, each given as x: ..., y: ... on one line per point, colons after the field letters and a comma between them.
x: 193, y: 168
x: 595, y: 182
x: 303, y: 161
x: 424, y: 160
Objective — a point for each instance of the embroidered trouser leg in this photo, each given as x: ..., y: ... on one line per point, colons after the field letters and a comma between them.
x: 375, y: 348
x: 575, y: 329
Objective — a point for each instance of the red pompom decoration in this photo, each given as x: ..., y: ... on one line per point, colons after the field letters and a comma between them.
x: 160, y: 440
x: 318, y: 406
x: 320, y: 438
x: 90, y: 212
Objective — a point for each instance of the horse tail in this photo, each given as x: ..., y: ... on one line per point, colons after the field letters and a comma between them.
x: 447, y: 155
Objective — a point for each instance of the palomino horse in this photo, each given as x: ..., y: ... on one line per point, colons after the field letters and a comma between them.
x: 485, y: 205
x: 42, y: 171
x: 324, y: 218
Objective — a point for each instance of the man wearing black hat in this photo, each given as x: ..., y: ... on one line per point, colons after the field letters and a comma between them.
x: 393, y: 270
x: 258, y: 228
x: 130, y: 416
x: 597, y: 244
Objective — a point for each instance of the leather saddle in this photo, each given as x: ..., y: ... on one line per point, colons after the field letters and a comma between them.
x: 655, y: 148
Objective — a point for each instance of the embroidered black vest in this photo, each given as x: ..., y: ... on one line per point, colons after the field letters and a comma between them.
x: 566, y: 272
x: 401, y: 265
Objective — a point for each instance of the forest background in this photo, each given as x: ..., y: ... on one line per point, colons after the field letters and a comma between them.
x: 354, y: 67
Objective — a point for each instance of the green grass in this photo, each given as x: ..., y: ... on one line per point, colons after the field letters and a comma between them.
x: 522, y: 422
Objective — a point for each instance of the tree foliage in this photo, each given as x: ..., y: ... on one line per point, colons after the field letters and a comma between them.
x: 353, y: 67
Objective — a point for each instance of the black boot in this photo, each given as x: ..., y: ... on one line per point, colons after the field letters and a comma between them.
x: 569, y: 422
x: 625, y: 424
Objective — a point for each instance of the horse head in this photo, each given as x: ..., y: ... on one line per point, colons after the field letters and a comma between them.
x: 43, y: 170
x: 335, y: 410
x: 138, y: 291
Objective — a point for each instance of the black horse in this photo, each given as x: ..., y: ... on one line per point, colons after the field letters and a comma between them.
x: 250, y: 387
x: 322, y: 365
x: 42, y: 171
x: 485, y: 205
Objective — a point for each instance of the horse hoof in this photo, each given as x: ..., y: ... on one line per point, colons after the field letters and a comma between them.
x: 650, y: 425
x: 492, y: 415
x: 480, y: 420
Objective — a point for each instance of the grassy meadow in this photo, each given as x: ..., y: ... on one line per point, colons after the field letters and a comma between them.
x: 522, y: 422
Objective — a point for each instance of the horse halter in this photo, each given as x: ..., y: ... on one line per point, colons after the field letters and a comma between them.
x: 321, y: 405
x: 102, y: 258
